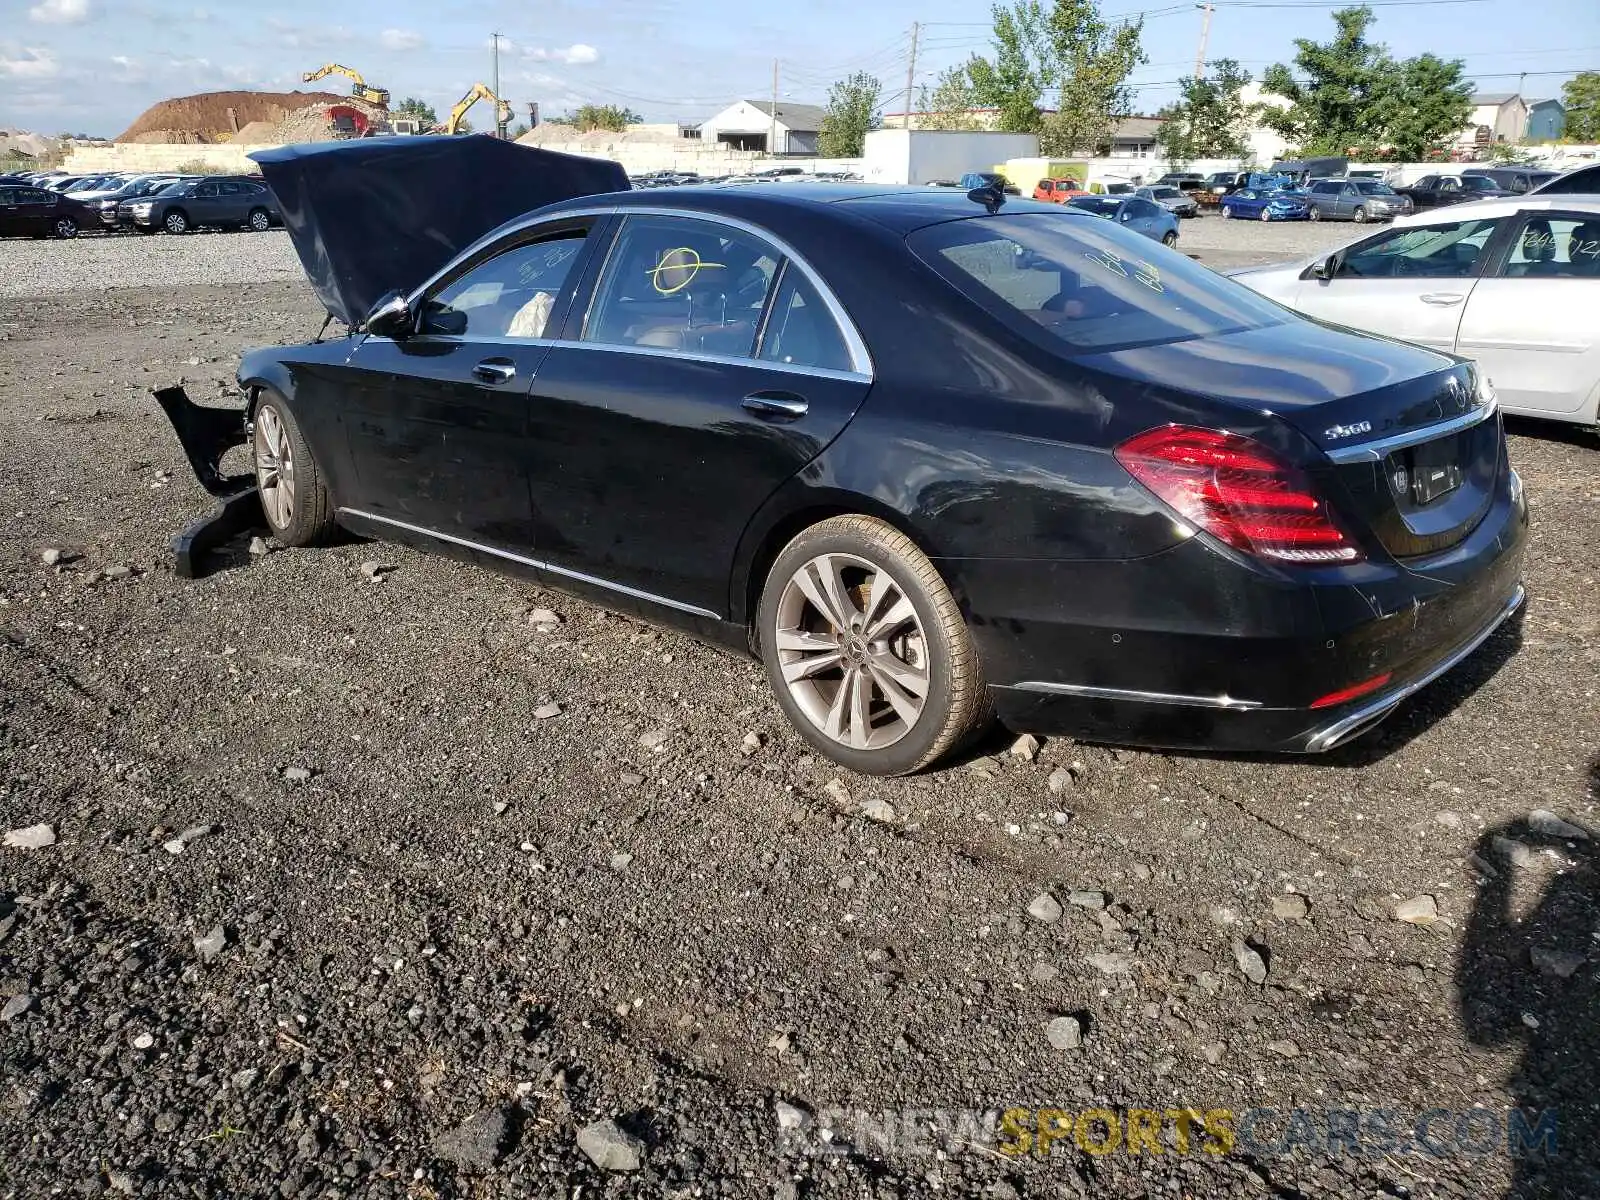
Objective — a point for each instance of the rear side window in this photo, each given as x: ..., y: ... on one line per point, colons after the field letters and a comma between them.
x: 1556, y: 247
x: 1086, y: 286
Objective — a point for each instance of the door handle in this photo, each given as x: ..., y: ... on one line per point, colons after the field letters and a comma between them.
x: 1441, y: 299
x: 495, y: 370
x: 776, y: 404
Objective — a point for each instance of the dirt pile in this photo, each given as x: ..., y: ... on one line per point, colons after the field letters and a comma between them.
x: 204, y: 118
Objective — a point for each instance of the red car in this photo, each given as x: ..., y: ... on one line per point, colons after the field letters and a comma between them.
x: 1057, y: 191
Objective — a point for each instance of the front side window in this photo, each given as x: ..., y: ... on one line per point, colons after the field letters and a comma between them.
x: 682, y: 283
x: 1435, y: 252
x: 512, y: 295
x: 1085, y: 287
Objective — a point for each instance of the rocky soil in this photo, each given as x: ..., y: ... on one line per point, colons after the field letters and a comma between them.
x: 323, y: 881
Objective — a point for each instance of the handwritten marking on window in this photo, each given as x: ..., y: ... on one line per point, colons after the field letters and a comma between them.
x: 1108, y: 260
x: 677, y: 269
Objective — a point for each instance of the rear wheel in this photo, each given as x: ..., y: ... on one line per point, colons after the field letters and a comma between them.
x: 866, y: 649
x: 65, y: 227
x: 176, y: 222
x: 293, y: 496
x: 259, y: 220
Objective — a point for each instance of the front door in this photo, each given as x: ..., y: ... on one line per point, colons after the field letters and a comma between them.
x: 438, y: 419
x: 1533, y: 322
x: 708, y: 369
x: 1410, y: 283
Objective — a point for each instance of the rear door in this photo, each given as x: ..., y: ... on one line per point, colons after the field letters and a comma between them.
x: 231, y: 197
x: 709, y: 367
x: 1533, y: 322
x: 1411, y: 282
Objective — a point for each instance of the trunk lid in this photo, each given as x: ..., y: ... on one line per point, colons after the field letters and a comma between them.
x: 1411, y: 450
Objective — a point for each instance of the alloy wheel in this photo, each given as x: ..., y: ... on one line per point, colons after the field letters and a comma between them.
x: 274, y: 467
x: 852, y: 651
x: 66, y: 227
x: 260, y: 222
x: 176, y: 223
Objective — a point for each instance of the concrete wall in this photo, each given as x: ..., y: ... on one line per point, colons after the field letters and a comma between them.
x: 159, y: 157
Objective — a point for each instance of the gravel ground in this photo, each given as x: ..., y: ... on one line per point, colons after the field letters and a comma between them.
x: 335, y: 907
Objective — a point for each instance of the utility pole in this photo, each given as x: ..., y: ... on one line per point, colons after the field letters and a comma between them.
x: 1205, y: 34
x: 499, y: 126
x: 911, y: 68
x: 772, y: 131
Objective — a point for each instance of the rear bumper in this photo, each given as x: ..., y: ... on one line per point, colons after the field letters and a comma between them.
x: 1189, y: 649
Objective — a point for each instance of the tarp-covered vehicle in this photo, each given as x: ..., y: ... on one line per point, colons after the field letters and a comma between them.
x: 369, y: 218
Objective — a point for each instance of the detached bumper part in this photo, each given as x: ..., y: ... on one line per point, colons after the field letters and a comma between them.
x: 207, y: 434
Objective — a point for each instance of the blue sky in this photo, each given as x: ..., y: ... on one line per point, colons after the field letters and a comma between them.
x: 94, y: 65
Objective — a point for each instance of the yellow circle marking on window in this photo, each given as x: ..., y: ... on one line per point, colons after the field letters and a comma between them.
x: 677, y: 269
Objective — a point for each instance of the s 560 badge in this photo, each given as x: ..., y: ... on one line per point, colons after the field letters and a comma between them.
x: 1344, y: 431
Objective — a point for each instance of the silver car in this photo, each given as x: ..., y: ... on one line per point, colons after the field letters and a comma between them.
x: 1177, y: 202
x: 1356, y: 200
x: 1513, y: 283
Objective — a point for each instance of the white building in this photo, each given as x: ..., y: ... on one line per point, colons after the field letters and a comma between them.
x: 1267, y: 146
x: 751, y: 124
x: 1499, y: 117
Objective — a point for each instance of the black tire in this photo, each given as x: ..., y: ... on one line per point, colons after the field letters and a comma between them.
x: 310, y: 513
x: 176, y: 222
x: 65, y: 227
x: 1314, y: 214
x: 1361, y: 216
x: 1265, y: 215
x: 1169, y: 238
x: 259, y: 220
x: 956, y: 705
x: 1227, y: 214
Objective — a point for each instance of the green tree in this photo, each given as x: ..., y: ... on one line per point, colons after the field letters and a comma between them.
x: 518, y: 130
x: 1211, y: 120
x: 1581, y: 95
x: 1022, y: 67
x: 950, y: 104
x: 1423, y: 103
x: 610, y: 117
x: 852, y: 111
x: 1094, y: 60
x: 416, y: 110
x: 1355, y: 97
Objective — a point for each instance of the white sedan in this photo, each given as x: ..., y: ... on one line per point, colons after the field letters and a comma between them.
x: 1513, y: 283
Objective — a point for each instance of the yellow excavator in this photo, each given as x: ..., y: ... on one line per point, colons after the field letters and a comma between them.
x: 480, y: 91
x: 359, y: 87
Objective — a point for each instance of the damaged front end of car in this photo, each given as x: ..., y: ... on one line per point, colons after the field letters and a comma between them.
x: 206, y: 435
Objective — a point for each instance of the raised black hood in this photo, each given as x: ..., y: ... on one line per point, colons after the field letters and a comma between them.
x: 379, y: 215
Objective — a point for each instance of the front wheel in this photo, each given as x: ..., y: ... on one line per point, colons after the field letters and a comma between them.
x: 1361, y: 216
x: 1169, y: 238
x: 866, y: 649
x: 1265, y: 215
x: 65, y: 227
x: 293, y: 496
x: 176, y: 222
x: 1314, y: 214
x: 1227, y: 214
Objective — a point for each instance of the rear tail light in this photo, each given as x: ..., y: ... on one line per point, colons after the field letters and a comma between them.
x: 1238, y: 491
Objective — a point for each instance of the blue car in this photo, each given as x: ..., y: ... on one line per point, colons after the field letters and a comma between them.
x: 1134, y: 212
x: 1267, y: 206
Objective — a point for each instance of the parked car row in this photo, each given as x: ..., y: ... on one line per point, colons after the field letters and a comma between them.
x: 31, y: 207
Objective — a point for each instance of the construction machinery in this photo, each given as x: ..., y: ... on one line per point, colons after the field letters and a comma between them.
x: 359, y: 87
x: 480, y: 91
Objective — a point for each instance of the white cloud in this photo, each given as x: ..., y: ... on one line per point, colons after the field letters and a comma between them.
x: 400, y: 39
x: 576, y: 55
x: 60, y: 12
x: 17, y: 62
x: 310, y: 37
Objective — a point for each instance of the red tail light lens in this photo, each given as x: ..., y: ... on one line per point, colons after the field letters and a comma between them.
x: 1239, y: 491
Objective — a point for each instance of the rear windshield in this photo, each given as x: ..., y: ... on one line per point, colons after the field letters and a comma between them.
x: 1086, y: 286
x: 1103, y: 205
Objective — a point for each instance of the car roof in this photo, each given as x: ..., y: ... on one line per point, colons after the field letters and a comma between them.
x: 1503, y: 206
x: 900, y: 208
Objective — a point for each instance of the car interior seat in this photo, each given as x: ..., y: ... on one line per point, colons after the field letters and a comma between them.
x: 1583, y: 250
x: 1538, y: 249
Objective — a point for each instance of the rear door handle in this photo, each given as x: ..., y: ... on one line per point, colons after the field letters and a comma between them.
x: 776, y: 404
x: 495, y: 370
x: 1441, y: 299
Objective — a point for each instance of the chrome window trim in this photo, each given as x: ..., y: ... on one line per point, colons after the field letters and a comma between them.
x: 536, y: 564
x: 1129, y: 694
x: 1380, y: 449
x: 860, y: 357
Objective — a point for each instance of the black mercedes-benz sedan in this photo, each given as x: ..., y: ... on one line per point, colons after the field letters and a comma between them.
x: 931, y: 455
